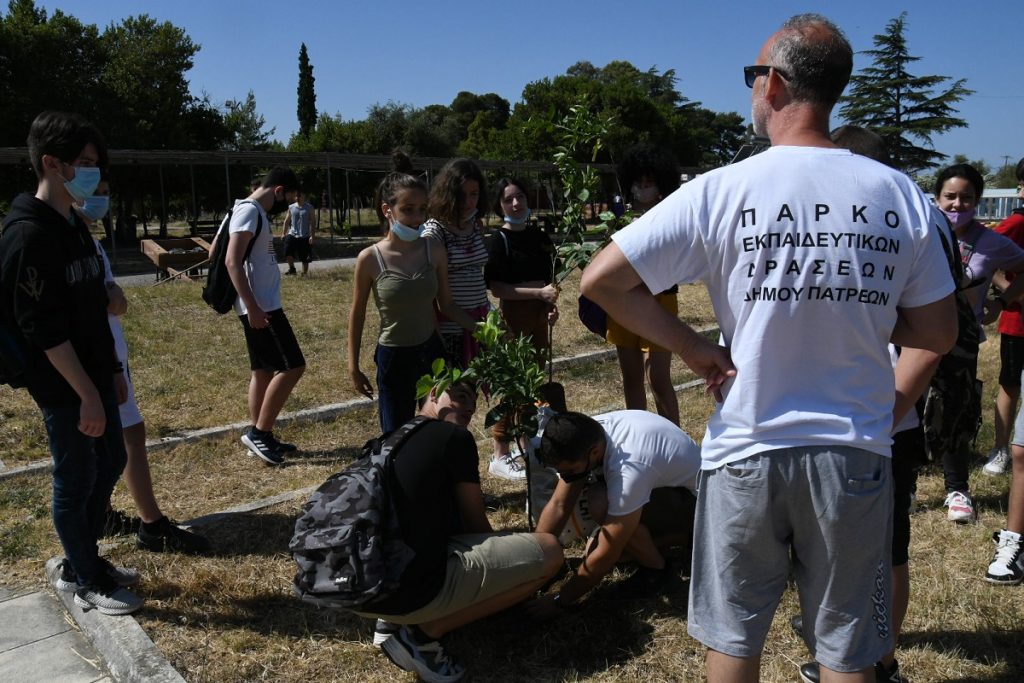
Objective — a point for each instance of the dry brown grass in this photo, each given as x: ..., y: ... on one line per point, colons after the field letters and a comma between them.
x: 232, y: 617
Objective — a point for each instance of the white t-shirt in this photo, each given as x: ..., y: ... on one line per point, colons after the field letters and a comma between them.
x: 261, y: 267
x: 120, y: 344
x: 300, y: 215
x: 807, y: 253
x: 644, y: 452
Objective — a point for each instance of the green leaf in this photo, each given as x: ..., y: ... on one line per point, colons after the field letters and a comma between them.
x: 583, y: 195
x: 437, y: 367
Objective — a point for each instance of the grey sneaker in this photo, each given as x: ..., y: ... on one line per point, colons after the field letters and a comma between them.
x: 998, y: 460
x: 428, y: 660
x: 107, y: 598
x: 66, y: 581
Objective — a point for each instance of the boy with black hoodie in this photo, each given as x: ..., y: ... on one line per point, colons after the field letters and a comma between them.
x: 52, y: 294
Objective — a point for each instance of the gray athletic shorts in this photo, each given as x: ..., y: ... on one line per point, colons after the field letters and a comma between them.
x: 831, y: 507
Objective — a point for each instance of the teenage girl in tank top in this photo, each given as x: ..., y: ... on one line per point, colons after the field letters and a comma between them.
x: 405, y: 276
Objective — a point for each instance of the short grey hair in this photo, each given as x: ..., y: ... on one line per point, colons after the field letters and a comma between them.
x: 815, y: 55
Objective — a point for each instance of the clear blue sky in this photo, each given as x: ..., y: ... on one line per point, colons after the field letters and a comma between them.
x: 422, y: 53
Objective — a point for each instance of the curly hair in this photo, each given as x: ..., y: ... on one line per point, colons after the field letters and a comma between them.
x: 445, y: 204
x: 657, y: 163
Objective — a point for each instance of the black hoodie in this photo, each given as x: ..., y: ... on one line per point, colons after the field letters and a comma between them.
x: 52, y: 291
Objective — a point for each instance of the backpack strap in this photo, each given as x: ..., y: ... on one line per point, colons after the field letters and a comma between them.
x: 259, y: 226
x: 394, y: 440
x: 504, y: 238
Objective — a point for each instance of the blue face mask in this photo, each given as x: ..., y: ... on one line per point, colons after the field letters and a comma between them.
x: 511, y: 220
x: 85, y: 182
x: 405, y: 233
x: 94, y: 208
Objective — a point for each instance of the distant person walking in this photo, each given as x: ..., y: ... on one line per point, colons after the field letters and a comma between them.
x: 299, y: 231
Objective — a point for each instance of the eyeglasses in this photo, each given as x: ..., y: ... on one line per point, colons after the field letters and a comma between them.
x: 750, y: 73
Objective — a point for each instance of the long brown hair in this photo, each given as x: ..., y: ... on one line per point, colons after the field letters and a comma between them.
x: 445, y: 204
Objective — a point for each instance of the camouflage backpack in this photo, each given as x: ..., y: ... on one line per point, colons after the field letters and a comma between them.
x: 347, y: 542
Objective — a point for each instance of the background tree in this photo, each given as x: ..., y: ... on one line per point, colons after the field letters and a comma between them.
x: 899, y: 106
x: 245, y: 126
x: 307, y: 95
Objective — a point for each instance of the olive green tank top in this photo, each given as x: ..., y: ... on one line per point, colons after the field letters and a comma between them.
x: 405, y: 302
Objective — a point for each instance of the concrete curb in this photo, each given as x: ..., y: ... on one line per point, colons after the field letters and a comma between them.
x: 320, y: 413
x: 129, y: 653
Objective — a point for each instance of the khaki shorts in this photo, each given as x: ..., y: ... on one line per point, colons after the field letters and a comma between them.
x: 480, y: 566
x: 620, y: 336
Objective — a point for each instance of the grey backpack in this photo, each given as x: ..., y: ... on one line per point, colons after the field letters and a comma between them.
x: 348, y: 542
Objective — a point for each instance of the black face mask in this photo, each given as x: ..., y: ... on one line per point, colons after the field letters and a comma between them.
x: 280, y: 205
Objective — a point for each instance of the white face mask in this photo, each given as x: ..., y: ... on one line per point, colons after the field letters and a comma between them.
x: 405, y: 233
x: 94, y: 208
x: 512, y: 220
x: 85, y: 182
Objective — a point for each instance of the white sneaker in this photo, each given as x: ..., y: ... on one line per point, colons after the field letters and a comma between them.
x: 509, y: 466
x: 961, y: 507
x: 1006, y: 566
x: 998, y: 459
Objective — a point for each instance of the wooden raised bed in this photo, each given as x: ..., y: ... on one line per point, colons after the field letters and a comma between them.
x: 173, y: 256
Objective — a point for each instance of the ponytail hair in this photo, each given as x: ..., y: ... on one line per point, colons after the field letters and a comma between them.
x: 388, y: 189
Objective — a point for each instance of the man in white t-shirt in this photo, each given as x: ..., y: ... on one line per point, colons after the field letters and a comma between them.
x: 275, y: 358
x: 646, y: 468
x: 815, y: 259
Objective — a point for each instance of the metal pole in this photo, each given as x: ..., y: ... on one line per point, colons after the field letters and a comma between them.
x: 163, y: 203
x: 227, y: 183
x: 330, y: 197
x: 195, y: 205
x: 348, y: 202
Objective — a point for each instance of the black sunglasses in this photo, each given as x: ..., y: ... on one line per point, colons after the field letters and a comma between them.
x: 574, y: 477
x: 750, y: 73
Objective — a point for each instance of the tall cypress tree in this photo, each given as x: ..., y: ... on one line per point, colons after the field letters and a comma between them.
x: 307, y: 96
x: 899, y: 106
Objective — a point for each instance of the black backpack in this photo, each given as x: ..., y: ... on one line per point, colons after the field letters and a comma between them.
x: 348, y: 542
x: 219, y: 292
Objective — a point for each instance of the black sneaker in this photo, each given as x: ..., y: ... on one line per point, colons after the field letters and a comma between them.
x: 259, y: 445
x: 383, y: 630
x: 797, y: 624
x: 118, y: 523
x: 810, y: 673
x: 164, y: 534
x: 107, y: 597
x: 281, y: 446
x: 428, y: 660
x: 890, y: 675
x: 66, y: 580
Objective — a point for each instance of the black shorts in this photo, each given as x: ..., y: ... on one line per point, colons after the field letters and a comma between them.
x: 297, y: 247
x: 1011, y: 360
x: 907, y: 455
x: 273, y: 348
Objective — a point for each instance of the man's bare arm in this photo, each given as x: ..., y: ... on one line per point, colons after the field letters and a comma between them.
x: 932, y: 327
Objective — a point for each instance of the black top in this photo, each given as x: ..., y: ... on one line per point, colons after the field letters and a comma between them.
x: 427, y: 467
x: 519, y: 256
x: 52, y: 291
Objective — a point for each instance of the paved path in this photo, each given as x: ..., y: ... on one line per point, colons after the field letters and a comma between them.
x: 39, y: 644
x: 319, y: 264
